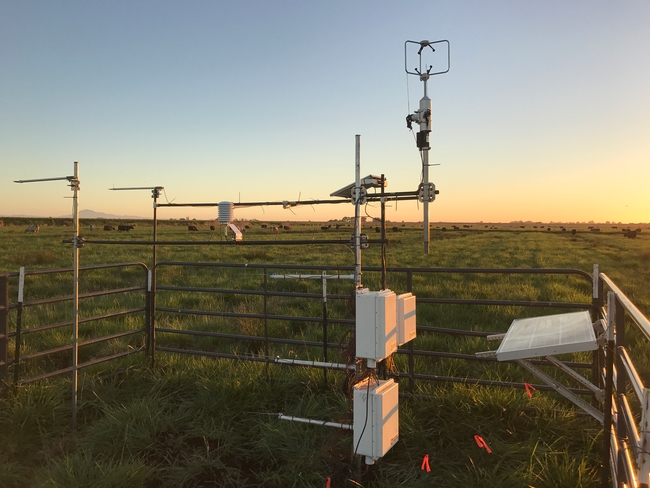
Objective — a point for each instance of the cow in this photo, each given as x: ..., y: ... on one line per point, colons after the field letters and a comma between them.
x: 125, y: 228
x: 377, y: 229
x: 396, y: 229
x: 212, y: 227
x: 91, y: 227
x: 324, y: 227
x: 286, y: 227
x: 192, y: 228
x: 274, y: 229
x: 630, y: 234
x: 33, y: 229
x: 264, y: 226
x: 109, y: 227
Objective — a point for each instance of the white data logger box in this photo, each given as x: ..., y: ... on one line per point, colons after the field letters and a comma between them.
x: 376, y: 326
x: 376, y: 417
x: 405, y: 318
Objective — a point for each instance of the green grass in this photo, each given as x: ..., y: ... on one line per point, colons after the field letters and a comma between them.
x: 204, y: 422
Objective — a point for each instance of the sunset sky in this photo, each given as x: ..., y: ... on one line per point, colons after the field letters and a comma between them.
x: 544, y: 115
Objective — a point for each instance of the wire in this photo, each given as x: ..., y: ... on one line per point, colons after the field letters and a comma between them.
x: 408, y: 95
x: 365, y: 423
x: 166, y: 199
x: 365, y: 210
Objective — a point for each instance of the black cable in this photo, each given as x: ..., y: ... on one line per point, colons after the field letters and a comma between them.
x: 365, y: 423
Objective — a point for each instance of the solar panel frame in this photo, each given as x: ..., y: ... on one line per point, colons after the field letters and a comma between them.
x: 547, y: 336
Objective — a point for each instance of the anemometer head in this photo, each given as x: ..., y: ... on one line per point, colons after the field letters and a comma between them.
x: 428, y: 55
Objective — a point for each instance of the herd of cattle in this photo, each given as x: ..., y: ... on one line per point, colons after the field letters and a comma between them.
x: 121, y: 228
x: 628, y: 233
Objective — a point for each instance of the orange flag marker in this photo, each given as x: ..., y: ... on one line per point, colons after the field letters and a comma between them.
x: 425, y: 464
x: 482, y: 444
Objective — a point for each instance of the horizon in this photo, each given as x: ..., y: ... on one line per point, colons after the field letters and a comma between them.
x: 185, y: 219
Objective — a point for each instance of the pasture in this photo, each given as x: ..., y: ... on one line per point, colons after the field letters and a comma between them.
x: 196, y: 421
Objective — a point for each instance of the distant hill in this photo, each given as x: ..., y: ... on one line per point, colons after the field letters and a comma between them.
x: 91, y: 214
x: 83, y: 214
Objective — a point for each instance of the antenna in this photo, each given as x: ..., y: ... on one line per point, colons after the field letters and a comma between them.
x: 155, y: 194
x: 77, y: 242
x: 426, y: 191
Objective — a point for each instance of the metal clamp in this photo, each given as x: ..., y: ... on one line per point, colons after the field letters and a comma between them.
x: 363, y: 241
x: 361, y: 199
x: 432, y: 192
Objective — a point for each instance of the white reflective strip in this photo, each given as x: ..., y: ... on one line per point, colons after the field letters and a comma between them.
x: 21, y: 284
x: 611, y: 315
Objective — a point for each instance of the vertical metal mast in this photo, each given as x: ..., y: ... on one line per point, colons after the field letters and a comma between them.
x: 422, y: 116
x: 77, y: 242
x: 356, y: 199
x: 151, y: 279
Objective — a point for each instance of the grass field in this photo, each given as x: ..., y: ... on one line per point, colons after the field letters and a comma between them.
x: 201, y: 422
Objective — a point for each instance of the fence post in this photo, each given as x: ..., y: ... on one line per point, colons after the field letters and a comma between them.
x: 147, y: 311
x: 325, y: 339
x: 409, y: 289
x: 152, y: 313
x: 266, y: 322
x: 597, y: 357
x: 621, y: 375
x: 4, y: 327
x: 609, y: 385
x: 19, y: 324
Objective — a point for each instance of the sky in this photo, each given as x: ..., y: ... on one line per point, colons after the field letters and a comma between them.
x: 544, y: 114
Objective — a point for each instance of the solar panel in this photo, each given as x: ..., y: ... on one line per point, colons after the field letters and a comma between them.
x: 370, y: 181
x: 547, y: 336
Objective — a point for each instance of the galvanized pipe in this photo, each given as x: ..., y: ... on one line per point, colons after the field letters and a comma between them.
x: 75, y: 292
x: 357, y: 212
x: 321, y: 423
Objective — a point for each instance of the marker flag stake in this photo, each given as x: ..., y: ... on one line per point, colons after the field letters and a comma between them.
x: 529, y: 387
x: 482, y: 444
x: 329, y: 481
x: 425, y: 464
